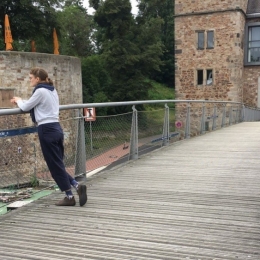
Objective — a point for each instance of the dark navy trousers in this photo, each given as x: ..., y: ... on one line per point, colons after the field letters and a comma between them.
x: 51, y: 139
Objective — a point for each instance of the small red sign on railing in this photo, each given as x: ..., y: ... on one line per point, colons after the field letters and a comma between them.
x: 90, y: 114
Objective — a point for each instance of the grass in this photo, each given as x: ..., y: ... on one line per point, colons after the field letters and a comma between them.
x: 160, y: 92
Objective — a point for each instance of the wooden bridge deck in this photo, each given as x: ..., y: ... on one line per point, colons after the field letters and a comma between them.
x: 196, y: 199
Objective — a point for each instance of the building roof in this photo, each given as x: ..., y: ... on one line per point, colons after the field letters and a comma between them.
x: 253, y: 7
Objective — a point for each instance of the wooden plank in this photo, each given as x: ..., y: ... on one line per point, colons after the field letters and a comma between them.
x: 195, y: 199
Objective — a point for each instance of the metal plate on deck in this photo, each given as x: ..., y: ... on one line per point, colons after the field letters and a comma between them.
x: 18, y: 204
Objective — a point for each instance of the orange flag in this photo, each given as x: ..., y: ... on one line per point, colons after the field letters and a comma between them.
x: 55, y: 42
x: 33, y: 46
x: 8, y: 35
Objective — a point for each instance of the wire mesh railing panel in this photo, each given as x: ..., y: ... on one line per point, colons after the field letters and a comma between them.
x: 218, y: 116
x: 21, y: 159
x: 150, y: 129
x: 69, y: 123
x: 251, y: 114
x: 107, y: 139
x: 176, y: 128
x: 180, y: 113
x: 195, y: 119
x: 18, y: 155
x: 209, y: 116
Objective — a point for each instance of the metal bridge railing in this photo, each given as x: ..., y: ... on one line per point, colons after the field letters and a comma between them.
x: 95, y: 143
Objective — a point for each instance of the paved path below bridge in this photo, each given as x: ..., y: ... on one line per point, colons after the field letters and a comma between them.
x: 196, y: 199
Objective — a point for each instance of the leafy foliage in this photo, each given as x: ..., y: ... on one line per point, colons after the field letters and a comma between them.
x: 131, y: 53
x: 74, y: 24
x: 150, y: 9
x: 30, y: 20
x: 95, y: 80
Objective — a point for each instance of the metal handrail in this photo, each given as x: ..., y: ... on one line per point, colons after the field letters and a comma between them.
x: 14, y: 111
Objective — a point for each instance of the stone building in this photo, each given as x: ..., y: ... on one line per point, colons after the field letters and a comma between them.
x: 217, y: 50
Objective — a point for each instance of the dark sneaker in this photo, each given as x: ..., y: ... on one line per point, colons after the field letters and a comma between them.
x: 66, y: 202
x: 82, y: 192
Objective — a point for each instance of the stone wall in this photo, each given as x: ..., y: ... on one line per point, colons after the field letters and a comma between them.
x: 225, y: 59
x: 251, y: 91
x: 65, y: 72
x: 188, y: 6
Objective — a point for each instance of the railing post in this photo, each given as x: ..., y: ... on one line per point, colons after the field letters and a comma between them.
x: 243, y: 113
x: 133, y: 154
x: 258, y: 115
x: 187, y: 126
x: 237, y: 115
x: 214, y: 118
x: 202, y: 125
x: 223, y: 123
x: 166, y: 127
x: 231, y: 116
x: 80, y: 161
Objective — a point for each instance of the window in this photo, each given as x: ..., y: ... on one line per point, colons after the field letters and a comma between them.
x: 199, y: 77
x: 252, y: 51
x: 5, y: 96
x: 210, y: 39
x: 201, y: 41
x: 205, y: 77
x: 209, y: 77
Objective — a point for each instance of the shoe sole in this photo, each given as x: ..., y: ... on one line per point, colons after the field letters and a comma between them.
x: 82, y: 192
x: 65, y: 204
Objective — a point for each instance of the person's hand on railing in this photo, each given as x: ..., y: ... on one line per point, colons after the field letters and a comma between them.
x: 14, y: 100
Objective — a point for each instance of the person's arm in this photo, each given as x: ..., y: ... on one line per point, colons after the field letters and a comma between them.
x: 27, y: 105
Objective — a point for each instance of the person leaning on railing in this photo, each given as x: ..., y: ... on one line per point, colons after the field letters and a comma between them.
x: 44, y: 110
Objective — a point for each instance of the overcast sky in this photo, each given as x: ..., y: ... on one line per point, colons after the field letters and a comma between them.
x: 133, y: 2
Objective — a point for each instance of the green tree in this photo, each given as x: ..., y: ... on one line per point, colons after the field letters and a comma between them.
x: 150, y: 9
x: 74, y: 24
x: 30, y: 20
x: 73, y: 2
x: 131, y: 53
x: 95, y: 3
x: 95, y: 81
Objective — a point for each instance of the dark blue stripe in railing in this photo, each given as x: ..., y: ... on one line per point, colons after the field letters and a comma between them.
x: 21, y: 131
